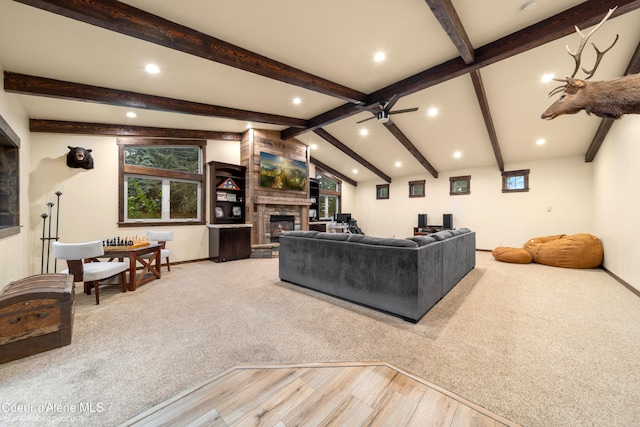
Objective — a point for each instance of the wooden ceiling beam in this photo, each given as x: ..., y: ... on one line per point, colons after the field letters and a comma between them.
x: 605, y: 124
x: 583, y: 15
x: 82, y: 128
x: 40, y: 86
x: 331, y: 170
x: 349, y: 152
x: 125, y: 19
x: 446, y: 14
x: 395, y: 131
x: 476, y: 78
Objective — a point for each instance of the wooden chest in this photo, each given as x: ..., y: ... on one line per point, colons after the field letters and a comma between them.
x: 36, y: 315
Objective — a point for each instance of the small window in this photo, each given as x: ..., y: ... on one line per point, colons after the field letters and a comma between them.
x: 459, y: 185
x: 382, y: 191
x: 330, y: 194
x: 515, y: 181
x: 416, y: 188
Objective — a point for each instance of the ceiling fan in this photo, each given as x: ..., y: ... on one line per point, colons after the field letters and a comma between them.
x: 382, y: 111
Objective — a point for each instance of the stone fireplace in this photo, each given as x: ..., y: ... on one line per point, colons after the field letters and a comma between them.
x: 265, y: 202
x: 278, y: 224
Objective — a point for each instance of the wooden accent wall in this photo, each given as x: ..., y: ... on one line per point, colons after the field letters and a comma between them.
x: 253, y: 142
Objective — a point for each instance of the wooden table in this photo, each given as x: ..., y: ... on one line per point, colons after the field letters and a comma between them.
x: 134, y: 255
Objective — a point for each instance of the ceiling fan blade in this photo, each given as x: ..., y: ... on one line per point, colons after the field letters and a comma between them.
x: 366, y: 120
x: 392, y: 101
x: 407, y: 110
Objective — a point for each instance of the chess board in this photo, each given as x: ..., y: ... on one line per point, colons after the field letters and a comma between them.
x: 120, y: 248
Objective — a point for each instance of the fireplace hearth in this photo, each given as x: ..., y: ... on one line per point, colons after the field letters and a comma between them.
x: 278, y: 224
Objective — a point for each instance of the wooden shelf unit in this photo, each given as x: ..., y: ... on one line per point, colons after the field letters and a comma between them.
x: 227, y: 193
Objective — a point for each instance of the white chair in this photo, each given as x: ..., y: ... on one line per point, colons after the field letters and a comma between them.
x: 161, y: 237
x: 89, y: 272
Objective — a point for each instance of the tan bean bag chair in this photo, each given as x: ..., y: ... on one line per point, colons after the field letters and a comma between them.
x: 576, y: 251
x: 513, y: 255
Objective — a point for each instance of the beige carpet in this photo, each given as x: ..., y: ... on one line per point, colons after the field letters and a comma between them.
x: 539, y: 345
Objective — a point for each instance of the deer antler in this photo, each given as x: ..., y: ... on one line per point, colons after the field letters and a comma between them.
x: 577, y: 55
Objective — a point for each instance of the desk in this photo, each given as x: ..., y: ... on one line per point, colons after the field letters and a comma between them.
x: 133, y: 254
x: 425, y: 231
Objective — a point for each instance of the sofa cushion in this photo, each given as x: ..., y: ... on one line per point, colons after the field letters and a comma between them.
x: 441, y: 235
x: 299, y: 233
x: 382, y: 241
x: 422, y: 240
x: 332, y: 236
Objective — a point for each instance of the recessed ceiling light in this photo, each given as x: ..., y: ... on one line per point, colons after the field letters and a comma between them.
x: 379, y: 56
x: 355, y: 171
x: 297, y: 101
x: 152, y: 69
x: 398, y: 164
x: 314, y: 146
x: 541, y: 141
x: 547, y: 77
x: 249, y: 126
x: 457, y: 154
x: 363, y: 131
x: 131, y: 114
x: 432, y: 112
x: 529, y: 5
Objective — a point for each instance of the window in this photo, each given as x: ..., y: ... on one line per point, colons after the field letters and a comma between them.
x: 416, y: 188
x: 161, y: 181
x: 382, y: 191
x: 9, y: 181
x: 459, y: 185
x: 515, y: 181
x: 330, y: 193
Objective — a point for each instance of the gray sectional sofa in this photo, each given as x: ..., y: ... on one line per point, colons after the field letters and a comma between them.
x: 403, y: 277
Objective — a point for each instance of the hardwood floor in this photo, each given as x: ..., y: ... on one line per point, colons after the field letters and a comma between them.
x: 341, y: 394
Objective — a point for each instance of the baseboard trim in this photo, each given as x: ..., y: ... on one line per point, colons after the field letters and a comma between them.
x: 623, y: 283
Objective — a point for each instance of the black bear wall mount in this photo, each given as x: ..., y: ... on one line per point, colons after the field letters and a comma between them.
x: 79, y: 157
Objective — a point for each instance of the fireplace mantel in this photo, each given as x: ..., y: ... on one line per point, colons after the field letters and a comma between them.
x: 280, y: 200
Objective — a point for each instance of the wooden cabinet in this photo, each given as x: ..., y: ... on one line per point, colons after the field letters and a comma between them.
x: 229, y: 242
x: 314, y: 195
x: 227, y: 193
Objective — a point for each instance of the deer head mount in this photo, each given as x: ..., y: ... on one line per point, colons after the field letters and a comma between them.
x: 607, y: 99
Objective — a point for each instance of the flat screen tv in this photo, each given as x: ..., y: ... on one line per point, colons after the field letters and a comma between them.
x: 343, y: 218
x: 282, y: 173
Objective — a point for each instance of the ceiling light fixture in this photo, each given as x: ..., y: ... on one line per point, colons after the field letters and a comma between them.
x: 541, y: 141
x: 398, y: 164
x: 547, y: 77
x: 529, y: 5
x: 457, y: 154
x: 363, y: 132
x: 355, y: 171
x: 314, y: 146
x: 379, y: 56
x: 297, y: 101
x: 152, y: 69
x: 131, y: 114
x: 432, y: 112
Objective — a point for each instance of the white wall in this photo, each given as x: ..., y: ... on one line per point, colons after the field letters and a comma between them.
x: 617, y: 205
x: 89, y: 201
x: 564, y: 185
x: 13, y: 249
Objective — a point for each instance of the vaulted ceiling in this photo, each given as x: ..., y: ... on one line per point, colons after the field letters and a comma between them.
x: 78, y: 67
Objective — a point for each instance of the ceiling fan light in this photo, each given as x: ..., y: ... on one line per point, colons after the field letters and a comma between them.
x: 383, y: 117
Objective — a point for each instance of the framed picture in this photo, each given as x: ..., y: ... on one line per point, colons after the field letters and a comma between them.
x: 219, y: 212
x: 221, y: 195
x: 236, y: 211
x: 231, y: 197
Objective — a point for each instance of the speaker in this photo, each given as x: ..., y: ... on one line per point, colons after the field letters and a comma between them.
x: 422, y: 220
x: 447, y: 221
